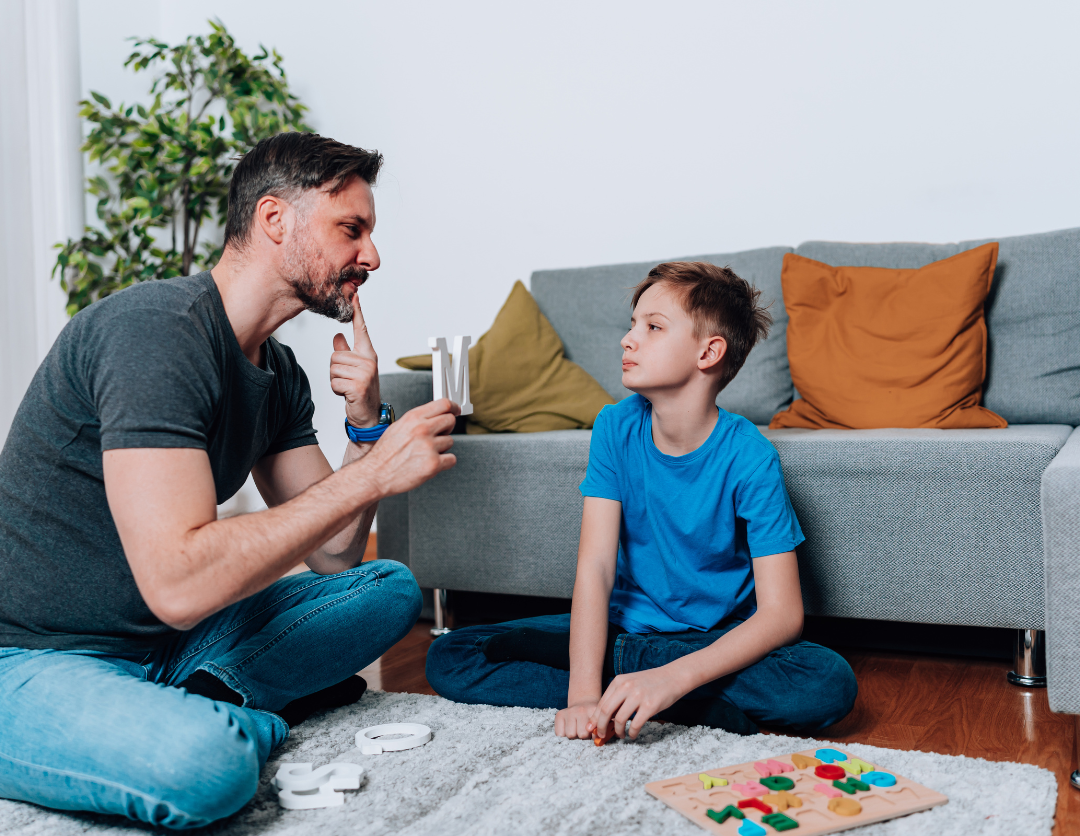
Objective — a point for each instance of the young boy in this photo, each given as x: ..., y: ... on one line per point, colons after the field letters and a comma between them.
x: 687, y: 605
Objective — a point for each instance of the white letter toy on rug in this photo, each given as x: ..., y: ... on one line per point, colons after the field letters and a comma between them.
x: 451, y: 380
x: 418, y: 735
x: 302, y: 788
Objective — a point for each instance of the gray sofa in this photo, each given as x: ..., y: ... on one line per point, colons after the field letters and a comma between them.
x: 928, y: 526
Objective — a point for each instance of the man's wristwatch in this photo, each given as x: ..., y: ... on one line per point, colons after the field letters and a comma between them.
x: 369, y: 434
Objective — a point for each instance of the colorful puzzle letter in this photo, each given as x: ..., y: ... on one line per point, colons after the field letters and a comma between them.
x: 779, y: 821
x: 829, y: 772
x: 750, y: 788
x: 830, y: 755
x: 826, y: 790
x: 856, y: 766
x: 778, y: 782
x: 851, y: 786
x: 756, y: 804
x: 771, y: 767
x: 804, y: 761
x: 725, y: 814
x: 782, y: 800
x: 708, y: 781
x: 749, y: 828
x: 845, y: 806
x: 879, y: 779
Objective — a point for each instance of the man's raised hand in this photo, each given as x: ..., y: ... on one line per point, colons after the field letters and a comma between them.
x: 354, y: 373
x: 414, y: 448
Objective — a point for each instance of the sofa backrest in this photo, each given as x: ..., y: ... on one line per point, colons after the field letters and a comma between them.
x: 590, y: 309
x: 1032, y: 316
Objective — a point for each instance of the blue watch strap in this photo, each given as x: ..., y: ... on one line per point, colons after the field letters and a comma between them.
x: 366, y: 434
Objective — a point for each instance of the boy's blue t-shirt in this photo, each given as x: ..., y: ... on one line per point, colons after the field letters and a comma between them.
x: 690, y: 524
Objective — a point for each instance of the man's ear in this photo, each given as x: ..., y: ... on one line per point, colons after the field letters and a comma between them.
x: 270, y: 217
x: 713, y: 352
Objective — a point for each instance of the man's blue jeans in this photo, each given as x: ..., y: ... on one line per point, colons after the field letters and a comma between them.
x: 108, y: 733
x: 804, y: 686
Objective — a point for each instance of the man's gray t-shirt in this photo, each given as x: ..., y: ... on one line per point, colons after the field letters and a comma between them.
x: 156, y: 365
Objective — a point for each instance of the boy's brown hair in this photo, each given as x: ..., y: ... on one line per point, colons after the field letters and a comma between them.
x: 720, y: 303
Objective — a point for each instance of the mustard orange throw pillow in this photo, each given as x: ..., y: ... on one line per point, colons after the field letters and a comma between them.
x: 874, y: 347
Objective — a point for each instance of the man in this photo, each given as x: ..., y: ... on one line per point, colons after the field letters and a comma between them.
x: 151, y: 655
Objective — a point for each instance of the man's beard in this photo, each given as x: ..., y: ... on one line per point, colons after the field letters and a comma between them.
x: 324, y: 296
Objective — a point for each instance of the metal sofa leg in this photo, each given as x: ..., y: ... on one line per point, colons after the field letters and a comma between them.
x: 440, y: 628
x: 1074, y: 779
x: 1029, y: 668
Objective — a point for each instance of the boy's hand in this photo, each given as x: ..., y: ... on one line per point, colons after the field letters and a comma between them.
x: 641, y: 695
x: 573, y: 722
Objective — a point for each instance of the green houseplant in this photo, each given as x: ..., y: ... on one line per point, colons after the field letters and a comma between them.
x: 166, y: 166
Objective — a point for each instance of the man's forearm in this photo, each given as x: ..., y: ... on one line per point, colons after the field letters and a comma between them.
x: 262, y: 546
x: 345, y: 549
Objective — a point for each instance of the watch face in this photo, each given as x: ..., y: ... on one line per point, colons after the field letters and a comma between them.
x: 386, y: 414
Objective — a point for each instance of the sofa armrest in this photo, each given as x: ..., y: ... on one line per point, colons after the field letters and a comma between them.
x: 405, y: 390
x: 1060, y: 499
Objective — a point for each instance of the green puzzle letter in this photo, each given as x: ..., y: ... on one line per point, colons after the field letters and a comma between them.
x: 725, y: 814
x: 778, y: 782
x: 780, y: 821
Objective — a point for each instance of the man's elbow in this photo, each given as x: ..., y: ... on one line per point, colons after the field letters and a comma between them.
x: 173, y: 610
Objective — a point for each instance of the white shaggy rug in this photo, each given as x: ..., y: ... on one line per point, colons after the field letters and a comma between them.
x: 502, y: 771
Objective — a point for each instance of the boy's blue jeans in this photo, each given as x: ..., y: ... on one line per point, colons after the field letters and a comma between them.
x: 83, y: 730
x: 804, y: 686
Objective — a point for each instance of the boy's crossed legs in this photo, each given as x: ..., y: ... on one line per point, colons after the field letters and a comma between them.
x: 802, y: 686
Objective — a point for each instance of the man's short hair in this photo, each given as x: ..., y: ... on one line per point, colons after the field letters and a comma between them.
x: 285, y: 166
x: 720, y: 303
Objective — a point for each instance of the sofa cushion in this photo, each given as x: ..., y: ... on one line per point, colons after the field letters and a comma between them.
x: 877, y: 347
x: 1033, y: 317
x: 590, y: 308
x: 931, y: 526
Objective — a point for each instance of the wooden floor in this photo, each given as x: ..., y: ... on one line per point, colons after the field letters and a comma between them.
x: 950, y: 705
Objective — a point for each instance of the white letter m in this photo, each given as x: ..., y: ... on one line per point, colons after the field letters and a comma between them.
x: 451, y: 380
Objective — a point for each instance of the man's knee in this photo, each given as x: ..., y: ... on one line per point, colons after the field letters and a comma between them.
x: 208, y: 775
x: 402, y: 587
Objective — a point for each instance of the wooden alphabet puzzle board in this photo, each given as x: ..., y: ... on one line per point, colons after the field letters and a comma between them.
x: 813, y: 792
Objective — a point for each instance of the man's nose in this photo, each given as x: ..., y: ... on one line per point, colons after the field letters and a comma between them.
x: 368, y: 257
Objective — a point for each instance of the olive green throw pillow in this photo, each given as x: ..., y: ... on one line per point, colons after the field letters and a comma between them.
x: 519, y: 379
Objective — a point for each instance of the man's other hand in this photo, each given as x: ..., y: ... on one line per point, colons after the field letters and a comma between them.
x: 414, y: 448
x: 354, y: 373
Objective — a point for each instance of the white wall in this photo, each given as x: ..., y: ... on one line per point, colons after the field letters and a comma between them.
x: 525, y: 136
x: 40, y: 181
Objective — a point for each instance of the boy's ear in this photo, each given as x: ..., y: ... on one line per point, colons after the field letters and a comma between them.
x: 713, y: 352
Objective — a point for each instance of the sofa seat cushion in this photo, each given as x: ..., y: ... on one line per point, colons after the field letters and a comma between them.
x: 505, y: 518
x: 921, y: 525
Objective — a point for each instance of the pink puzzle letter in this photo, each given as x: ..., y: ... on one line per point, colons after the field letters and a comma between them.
x: 751, y: 789
x: 826, y: 790
x: 771, y: 767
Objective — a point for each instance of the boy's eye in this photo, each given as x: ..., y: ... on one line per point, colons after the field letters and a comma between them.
x: 654, y: 327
